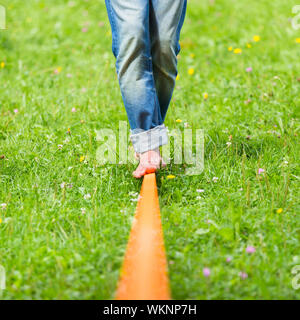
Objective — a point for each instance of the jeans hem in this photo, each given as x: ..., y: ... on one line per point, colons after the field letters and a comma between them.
x: 150, y: 139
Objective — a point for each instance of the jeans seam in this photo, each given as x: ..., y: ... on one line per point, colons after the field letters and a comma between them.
x: 114, y: 27
x: 156, y: 104
x: 180, y: 25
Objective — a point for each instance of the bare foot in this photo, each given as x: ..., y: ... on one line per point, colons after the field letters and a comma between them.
x: 150, y: 161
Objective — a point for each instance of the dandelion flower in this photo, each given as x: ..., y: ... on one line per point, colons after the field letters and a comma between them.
x: 177, y: 77
x: 205, y: 95
x: 2, y: 65
x: 297, y: 40
x: 58, y: 70
x: 170, y: 176
x: 191, y: 71
x: 248, y: 45
x: 256, y: 38
x: 178, y: 120
x: 0, y: 220
x: 192, y: 55
x: 250, y: 249
x: 280, y: 210
x: 230, y: 48
x: 82, y: 158
x: 237, y: 51
x: 206, y: 272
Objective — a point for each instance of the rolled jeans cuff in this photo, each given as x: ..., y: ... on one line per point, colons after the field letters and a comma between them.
x: 149, y: 140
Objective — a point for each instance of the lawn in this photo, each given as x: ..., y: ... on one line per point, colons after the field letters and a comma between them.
x: 232, y: 232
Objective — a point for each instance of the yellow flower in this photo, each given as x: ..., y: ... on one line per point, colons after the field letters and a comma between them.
x: 237, y: 50
x: 191, y: 71
x: 178, y: 120
x: 192, y: 55
x: 297, y: 40
x: 256, y: 38
x: 205, y: 95
x: 178, y: 77
x: 0, y: 220
x: 280, y: 210
x: 170, y: 176
x: 230, y: 48
x: 248, y: 45
x: 58, y: 70
x: 82, y: 158
x: 2, y: 65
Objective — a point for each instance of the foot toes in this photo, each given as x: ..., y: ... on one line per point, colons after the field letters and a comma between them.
x: 139, y: 172
x: 150, y: 162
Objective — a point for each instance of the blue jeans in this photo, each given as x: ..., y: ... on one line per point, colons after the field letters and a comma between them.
x: 145, y: 42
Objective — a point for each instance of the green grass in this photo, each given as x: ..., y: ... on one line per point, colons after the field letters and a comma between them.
x: 51, y: 250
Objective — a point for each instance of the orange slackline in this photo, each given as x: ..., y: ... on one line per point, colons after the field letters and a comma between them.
x: 144, y: 272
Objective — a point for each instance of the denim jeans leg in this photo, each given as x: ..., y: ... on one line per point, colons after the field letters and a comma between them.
x: 130, y: 22
x: 166, y: 20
